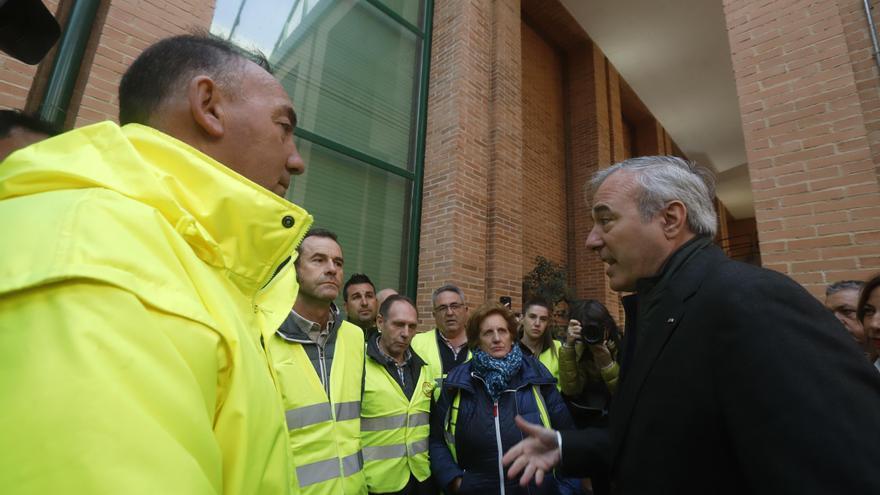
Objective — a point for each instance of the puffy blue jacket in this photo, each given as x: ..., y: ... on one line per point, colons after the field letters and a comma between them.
x: 475, y: 434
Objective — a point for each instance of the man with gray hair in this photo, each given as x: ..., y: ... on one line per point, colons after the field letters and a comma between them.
x: 842, y: 299
x: 734, y: 379
x: 445, y: 346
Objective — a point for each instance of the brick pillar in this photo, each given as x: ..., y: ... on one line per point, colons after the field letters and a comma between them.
x: 649, y: 137
x: 470, y: 204
x: 807, y: 98
x: 505, y: 217
x: 618, y: 150
x: 589, y: 150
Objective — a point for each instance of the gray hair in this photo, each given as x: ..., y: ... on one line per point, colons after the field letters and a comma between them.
x: 668, y: 178
x: 446, y: 288
x: 843, y: 285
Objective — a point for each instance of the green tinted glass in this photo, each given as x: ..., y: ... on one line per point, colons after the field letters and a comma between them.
x: 366, y: 207
x: 352, y: 73
x: 409, y: 10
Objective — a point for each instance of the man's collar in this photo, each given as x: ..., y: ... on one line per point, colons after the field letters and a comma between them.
x: 672, y: 263
x: 375, y: 352
x: 449, y: 342
x: 298, y: 332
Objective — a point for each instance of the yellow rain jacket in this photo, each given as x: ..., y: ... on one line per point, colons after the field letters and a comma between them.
x: 139, y: 279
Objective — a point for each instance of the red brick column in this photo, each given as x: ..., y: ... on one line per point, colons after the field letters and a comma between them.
x: 799, y: 66
x: 457, y: 153
x: 504, y: 241
x: 589, y: 124
x: 121, y: 32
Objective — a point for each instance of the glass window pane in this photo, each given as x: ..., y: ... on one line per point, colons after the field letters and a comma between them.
x: 351, y: 72
x: 254, y: 24
x: 367, y: 207
x: 411, y: 10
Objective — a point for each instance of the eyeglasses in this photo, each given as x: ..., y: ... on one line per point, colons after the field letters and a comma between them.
x: 560, y: 314
x: 455, y: 307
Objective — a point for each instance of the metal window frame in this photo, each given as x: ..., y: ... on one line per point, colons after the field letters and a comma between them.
x: 416, y: 176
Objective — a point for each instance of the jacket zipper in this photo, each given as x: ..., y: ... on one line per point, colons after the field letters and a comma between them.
x: 498, y: 442
x: 323, y: 366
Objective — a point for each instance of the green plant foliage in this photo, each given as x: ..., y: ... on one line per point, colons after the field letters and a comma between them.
x: 547, y: 280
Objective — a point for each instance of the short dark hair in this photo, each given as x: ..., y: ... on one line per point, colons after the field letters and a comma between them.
x: 386, y: 304
x: 10, y: 119
x: 485, y: 311
x: 157, y: 72
x: 869, y: 287
x: 447, y: 288
x: 537, y: 301
x: 843, y: 285
x: 314, y: 232
x: 357, y: 278
x: 547, y: 338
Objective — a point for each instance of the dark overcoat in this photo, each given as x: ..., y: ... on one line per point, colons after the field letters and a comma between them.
x: 736, y: 380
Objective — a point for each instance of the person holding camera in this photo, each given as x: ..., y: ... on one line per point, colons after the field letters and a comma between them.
x: 588, y: 367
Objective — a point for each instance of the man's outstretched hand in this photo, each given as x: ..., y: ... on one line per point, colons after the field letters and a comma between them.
x: 535, y: 455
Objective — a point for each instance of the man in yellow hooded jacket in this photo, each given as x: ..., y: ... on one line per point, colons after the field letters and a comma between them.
x: 142, y: 270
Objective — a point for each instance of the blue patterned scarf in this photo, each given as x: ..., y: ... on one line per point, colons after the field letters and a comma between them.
x: 496, y: 373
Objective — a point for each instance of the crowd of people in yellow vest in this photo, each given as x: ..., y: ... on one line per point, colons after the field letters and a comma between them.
x: 164, y: 259
x: 148, y: 345
x: 362, y: 393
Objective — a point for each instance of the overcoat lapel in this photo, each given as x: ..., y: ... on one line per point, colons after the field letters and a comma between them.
x: 657, y: 319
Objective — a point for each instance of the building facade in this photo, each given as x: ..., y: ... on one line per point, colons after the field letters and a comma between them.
x: 451, y: 140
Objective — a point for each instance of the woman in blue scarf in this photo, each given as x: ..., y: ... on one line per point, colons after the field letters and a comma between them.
x: 472, y: 424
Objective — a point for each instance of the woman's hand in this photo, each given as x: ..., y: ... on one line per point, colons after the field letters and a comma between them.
x: 572, y: 333
x: 601, y: 355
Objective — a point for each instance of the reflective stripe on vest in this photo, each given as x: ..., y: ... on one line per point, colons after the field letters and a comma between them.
x: 318, y: 413
x: 394, y: 429
x: 391, y: 422
x: 394, y: 451
x: 452, y: 418
x: 326, y: 470
x: 324, y: 433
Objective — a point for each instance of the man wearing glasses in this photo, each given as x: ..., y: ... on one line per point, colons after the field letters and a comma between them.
x: 444, y: 347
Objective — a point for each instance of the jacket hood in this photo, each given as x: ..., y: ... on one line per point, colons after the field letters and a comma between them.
x: 200, y: 197
x: 531, y: 373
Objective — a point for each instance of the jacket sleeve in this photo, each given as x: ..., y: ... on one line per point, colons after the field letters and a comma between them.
x: 571, y: 381
x: 443, y: 468
x: 97, y: 397
x: 609, y: 376
x: 586, y: 453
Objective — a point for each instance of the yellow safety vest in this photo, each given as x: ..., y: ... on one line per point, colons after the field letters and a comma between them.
x: 425, y: 345
x: 324, y: 433
x: 551, y: 361
x: 394, y: 429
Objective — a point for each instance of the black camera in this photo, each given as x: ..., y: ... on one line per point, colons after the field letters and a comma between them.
x: 592, y: 333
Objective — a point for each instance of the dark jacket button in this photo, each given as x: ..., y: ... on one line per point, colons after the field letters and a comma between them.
x: 287, y: 221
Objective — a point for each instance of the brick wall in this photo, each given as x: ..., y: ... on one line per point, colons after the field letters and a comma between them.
x: 808, y: 101
x: 123, y: 29
x: 15, y: 85
x: 452, y: 244
x: 544, y: 173
x: 505, y: 214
